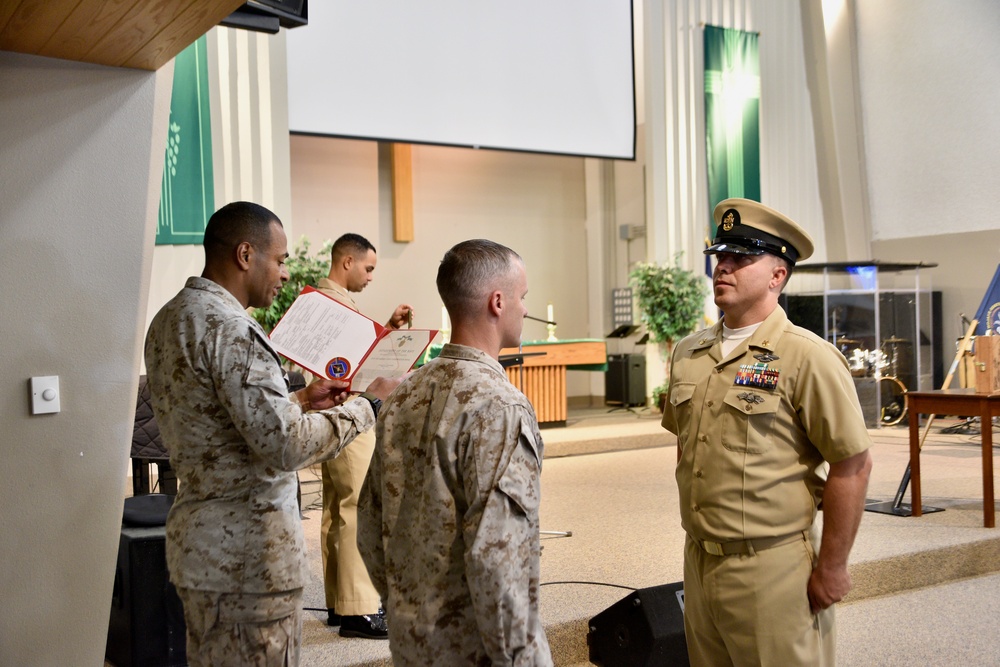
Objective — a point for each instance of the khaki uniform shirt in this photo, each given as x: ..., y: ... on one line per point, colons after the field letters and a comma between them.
x: 755, y: 429
x: 448, y: 519
x: 339, y: 293
x: 235, y: 440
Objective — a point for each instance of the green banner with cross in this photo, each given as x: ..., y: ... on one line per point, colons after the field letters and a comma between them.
x: 187, y: 194
x: 732, y: 115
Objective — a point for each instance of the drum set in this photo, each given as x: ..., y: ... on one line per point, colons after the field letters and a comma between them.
x: 887, y: 364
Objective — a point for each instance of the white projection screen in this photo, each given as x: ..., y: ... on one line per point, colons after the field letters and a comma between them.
x: 549, y: 76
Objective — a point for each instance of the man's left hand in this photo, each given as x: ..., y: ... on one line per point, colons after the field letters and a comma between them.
x: 402, y: 316
x: 827, y: 586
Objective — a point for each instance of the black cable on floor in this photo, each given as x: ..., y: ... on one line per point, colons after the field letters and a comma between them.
x: 589, y: 583
x: 544, y: 583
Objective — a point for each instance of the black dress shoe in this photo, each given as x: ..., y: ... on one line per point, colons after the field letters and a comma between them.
x: 332, y: 618
x: 371, y: 626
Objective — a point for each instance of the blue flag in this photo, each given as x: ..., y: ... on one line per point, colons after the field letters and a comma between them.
x: 989, y: 310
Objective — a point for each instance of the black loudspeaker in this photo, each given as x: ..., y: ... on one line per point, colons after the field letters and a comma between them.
x: 147, y: 620
x: 269, y: 15
x: 625, y: 380
x: 645, y: 629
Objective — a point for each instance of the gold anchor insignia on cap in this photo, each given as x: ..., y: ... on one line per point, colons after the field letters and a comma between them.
x: 730, y: 220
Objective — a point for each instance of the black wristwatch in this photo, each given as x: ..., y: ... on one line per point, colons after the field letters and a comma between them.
x: 374, y: 400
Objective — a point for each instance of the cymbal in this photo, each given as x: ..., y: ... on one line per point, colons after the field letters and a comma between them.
x: 844, y: 340
x: 893, y: 339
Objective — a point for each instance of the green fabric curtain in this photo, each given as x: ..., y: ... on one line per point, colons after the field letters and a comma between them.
x: 732, y: 115
x: 187, y: 195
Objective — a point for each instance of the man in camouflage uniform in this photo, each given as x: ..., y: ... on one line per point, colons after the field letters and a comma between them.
x: 448, y: 517
x: 234, y: 542
x: 770, y: 430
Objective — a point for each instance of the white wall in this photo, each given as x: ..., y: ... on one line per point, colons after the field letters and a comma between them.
x: 82, y: 153
x: 932, y: 131
x: 930, y: 99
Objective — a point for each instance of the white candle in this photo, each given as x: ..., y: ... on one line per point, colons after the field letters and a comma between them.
x: 550, y: 318
x: 444, y: 318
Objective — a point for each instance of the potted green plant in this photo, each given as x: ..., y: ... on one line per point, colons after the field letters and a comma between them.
x: 303, y: 270
x: 660, y: 393
x: 672, y: 302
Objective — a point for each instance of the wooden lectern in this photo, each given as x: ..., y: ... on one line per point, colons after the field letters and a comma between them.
x: 542, y: 378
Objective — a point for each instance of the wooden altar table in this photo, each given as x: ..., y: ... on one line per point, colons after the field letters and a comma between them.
x: 543, y: 378
x: 962, y: 402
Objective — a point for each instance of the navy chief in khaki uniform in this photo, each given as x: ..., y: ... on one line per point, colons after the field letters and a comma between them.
x: 770, y: 432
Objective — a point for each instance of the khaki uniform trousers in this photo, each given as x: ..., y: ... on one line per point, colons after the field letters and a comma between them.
x: 242, y: 630
x: 348, y: 587
x: 753, y: 609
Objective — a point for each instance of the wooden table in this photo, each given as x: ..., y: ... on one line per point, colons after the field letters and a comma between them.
x: 542, y: 378
x: 962, y: 402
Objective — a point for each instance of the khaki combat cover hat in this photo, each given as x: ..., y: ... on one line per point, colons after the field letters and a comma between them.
x: 746, y: 227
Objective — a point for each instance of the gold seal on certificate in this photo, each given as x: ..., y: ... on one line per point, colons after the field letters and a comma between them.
x: 330, y: 340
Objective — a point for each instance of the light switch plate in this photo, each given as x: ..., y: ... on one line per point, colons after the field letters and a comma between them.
x: 44, y: 395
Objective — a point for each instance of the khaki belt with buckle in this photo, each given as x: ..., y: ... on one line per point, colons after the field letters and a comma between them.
x: 749, y: 547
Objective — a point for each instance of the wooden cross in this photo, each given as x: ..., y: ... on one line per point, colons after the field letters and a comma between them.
x: 402, y: 193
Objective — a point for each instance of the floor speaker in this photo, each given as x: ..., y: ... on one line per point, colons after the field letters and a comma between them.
x: 625, y: 380
x: 644, y: 629
x: 147, y: 620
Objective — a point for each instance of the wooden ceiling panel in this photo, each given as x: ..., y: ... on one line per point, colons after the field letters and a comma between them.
x: 7, y: 10
x: 32, y: 21
x: 123, y: 33
x: 85, y: 24
x: 141, y: 23
x: 179, y: 33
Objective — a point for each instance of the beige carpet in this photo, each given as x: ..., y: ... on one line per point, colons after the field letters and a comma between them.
x: 927, y: 589
x: 925, y: 592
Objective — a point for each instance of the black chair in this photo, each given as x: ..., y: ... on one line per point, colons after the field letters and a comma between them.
x: 147, y: 448
x: 296, y: 380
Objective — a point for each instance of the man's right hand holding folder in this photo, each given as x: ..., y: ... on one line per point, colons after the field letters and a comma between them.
x: 324, y: 394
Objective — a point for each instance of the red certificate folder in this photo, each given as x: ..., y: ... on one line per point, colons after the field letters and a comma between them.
x: 331, y: 340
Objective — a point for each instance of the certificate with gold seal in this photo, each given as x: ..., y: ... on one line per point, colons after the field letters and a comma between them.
x: 333, y: 341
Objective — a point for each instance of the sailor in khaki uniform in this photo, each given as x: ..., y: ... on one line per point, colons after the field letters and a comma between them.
x: 770, y: 431
x: 351, y: 599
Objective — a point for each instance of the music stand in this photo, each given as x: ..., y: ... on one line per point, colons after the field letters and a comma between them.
x: 622, y: 332
x: 508, y: 360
